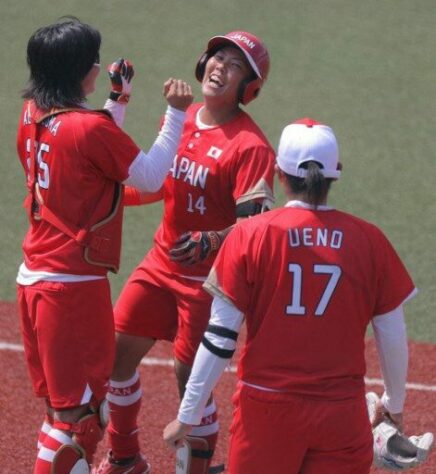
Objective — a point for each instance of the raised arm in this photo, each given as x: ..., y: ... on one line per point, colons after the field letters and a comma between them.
x: 121, y: 73
x: 148, y: 171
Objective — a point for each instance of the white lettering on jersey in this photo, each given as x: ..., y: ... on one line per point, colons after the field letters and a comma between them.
x: 310, y: 237
x: 41, y: 150
x: 52, y: 125
x: 189, y: 171
x: 27, y: 119
x: 174, y: 166
x: 214, y: 152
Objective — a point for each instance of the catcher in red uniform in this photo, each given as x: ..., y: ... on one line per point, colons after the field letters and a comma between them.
x: 76, y: 163
x: 223, y: 171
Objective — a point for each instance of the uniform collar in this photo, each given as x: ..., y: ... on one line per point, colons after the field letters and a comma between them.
x: 305, y: 205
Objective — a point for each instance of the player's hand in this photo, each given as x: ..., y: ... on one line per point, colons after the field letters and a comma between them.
x: 381, y: 414
x: 194, y: 247
x: 121, y: 73
x: 174, y: 434
x: 396, y: 419
x: 178, y: 93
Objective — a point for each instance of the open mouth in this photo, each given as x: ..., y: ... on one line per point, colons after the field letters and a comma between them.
x: 215, y: 81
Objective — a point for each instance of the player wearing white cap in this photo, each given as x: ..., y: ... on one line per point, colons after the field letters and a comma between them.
x: 223, y: 171
x: 308, y: 279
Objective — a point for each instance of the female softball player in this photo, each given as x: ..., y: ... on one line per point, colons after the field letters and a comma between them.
x: 223, y: 171
x: 308, y: 279
x: 76, y: 162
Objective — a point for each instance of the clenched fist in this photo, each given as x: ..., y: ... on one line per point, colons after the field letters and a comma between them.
x: 178, y: 93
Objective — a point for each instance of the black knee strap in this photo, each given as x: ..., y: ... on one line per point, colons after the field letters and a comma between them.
x: 202, y: 454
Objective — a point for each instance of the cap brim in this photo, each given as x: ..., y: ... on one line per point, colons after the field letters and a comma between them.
x: 223, y: 40
x: 298, y: 172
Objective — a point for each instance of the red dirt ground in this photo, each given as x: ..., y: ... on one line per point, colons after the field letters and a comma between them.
x: 21, y: 414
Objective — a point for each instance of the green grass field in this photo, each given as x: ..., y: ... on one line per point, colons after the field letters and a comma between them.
x: 368, y: 69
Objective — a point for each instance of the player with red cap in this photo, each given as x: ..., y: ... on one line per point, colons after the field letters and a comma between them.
x: 223, y: 171
x: 255, y: 53
x: 308, y: 279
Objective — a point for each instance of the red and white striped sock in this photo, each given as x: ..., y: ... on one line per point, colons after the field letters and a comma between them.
x: 53, y: 440
x: 46, y: 426
x: 124, y: 399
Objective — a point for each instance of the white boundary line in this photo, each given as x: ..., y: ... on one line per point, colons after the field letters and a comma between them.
x: 160, y: 362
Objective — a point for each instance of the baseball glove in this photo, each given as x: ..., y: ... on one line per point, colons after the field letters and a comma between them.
x: 393, y: 450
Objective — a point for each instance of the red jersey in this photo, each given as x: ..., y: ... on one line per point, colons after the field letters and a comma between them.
x: 81, y: 154
x: 309, y: 283
x: 215, y: 169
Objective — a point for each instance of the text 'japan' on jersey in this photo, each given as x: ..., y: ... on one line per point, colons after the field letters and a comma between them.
x: 214, y: 170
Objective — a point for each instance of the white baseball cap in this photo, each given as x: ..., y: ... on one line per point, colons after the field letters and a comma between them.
x: 308, y: 140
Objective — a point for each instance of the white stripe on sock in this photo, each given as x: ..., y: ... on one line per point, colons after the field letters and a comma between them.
x: 46, y: 427
x: 60, y: 436
x: 46, y: 454
x: 209, y: 409
x: 205, y: 430
x: 124, y: 400
x: 125, y: 383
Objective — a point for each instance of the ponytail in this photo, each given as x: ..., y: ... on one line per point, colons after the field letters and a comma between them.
x: 314, y: 187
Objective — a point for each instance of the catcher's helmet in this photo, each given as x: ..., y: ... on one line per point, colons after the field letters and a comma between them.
x: 255, y: 52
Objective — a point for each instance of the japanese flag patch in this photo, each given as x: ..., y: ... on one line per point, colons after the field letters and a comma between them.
x: 214, y: 152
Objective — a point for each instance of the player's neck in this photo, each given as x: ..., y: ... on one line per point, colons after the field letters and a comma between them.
x: 217, y: 114
x: 302, y: 197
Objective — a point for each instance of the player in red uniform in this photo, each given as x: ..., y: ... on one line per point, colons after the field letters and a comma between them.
x: 223, y: 171
x: 76, y: 161
x: 308, y: 279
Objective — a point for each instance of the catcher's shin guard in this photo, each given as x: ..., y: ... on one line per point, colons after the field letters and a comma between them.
x: 103, y: 412
x: 69, y: 459
x: 194, y: 457
x: 86, y: 433
x: 183, y: 458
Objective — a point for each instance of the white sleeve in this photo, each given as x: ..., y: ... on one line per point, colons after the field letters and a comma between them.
x: 391, y: 341
x: 148, y: 171
x: 208, y: 366
x: 117, y: 110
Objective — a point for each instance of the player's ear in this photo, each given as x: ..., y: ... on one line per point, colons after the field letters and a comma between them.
x: 279, y: 172
x: 339, y: 168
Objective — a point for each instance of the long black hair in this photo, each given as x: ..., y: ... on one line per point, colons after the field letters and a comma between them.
x: 59, y: 57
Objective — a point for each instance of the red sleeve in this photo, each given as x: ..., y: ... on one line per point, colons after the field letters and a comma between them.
x: 109, y: 148
x: 254, y: 174
x: 394, y: 283
x: 132, y: 197
x: 231, y: 276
